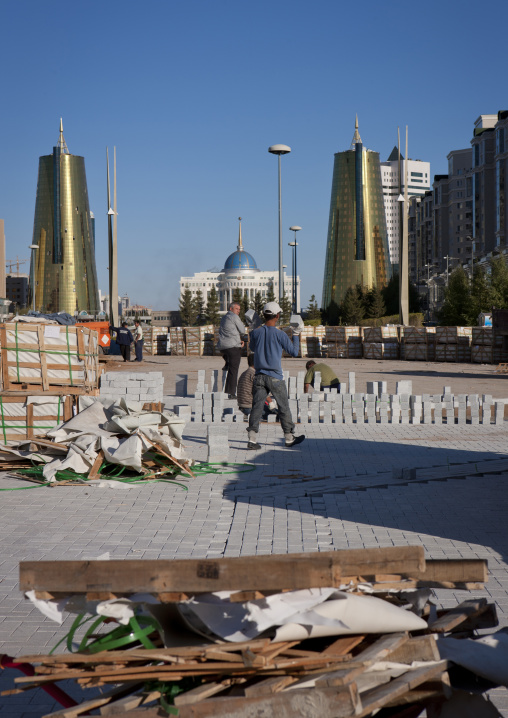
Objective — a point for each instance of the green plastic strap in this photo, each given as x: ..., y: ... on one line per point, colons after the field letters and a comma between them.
x: 69, y: 353
x: 17, y: 351
x: 3, y: 423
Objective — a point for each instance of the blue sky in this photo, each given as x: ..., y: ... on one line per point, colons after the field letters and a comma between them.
x: 193, y: 93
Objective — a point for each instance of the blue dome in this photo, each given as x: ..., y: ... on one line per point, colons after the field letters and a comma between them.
x: 240, y: 260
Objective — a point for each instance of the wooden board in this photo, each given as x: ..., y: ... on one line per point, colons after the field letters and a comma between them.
x: 272, y: 572
x: 311, y: 703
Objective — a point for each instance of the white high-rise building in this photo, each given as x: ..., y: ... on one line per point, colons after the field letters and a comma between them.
x: 418, y: 173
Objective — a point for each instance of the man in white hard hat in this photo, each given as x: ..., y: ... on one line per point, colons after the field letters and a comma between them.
x: 267, y: 342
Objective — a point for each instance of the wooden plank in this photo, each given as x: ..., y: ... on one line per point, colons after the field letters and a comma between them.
x: 311, y: 703
x: 94, y: 471
x: 457, y: 615
x: 29, y: 421
x: 381, y: 648
x: 3, y: 351
x: 343, y: 645
x: 269, y: 686
x: 207, y: 690
x: 43, y: 357
x: 418, y: 648
x: 455, y: 571
x: 378, y: 697
x: 94, y: 703
x: 271, y: 572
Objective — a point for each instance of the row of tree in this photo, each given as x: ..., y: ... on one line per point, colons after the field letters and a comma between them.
x: 466, y: 297
x: 196, y: 312
x: 360, y: 303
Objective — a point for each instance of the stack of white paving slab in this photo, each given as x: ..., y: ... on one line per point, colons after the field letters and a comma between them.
x: 134, y: 386
x: 344, y: 405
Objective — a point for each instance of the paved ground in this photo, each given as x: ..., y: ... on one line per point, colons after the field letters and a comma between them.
x: 334, y: 491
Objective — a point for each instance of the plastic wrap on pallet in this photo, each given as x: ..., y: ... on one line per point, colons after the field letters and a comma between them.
x: 49, y: 355
x: 482, y: 336
x: 413, y: 352
x: 481, y: 353
x: 372, y: 350
x: 22, y: 417
x: 413, y: 335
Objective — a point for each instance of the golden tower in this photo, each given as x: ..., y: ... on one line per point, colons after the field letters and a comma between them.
x: 63, y: 270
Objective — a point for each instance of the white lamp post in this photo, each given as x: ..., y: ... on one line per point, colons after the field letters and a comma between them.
x: 280, y: 150
x: 33, y: 247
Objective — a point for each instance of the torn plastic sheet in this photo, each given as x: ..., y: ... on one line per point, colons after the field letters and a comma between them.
x: 486, y: 656
x: 122, y: 430
x: 296, y: 615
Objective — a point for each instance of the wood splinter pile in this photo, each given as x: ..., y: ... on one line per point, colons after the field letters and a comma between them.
x: 392, y: 674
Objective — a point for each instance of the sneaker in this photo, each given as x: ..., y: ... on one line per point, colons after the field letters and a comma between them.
x: 253, y: 445
x: 296, y: 440
x: 231, y: 396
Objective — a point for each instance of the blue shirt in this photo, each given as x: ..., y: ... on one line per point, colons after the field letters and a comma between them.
x: 268, y: 343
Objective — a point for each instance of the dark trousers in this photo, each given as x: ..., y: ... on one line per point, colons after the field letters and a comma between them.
x: 264, y: 385
x: 232, y: 358
x: 126, y: 351
x: 138, y: 347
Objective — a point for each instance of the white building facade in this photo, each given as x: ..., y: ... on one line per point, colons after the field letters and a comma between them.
x: 240, y: 272
x: 418, y: 174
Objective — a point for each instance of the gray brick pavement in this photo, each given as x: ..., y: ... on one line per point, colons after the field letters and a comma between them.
x: 328, y: 493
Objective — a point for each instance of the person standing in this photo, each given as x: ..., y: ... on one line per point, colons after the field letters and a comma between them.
x: 138, y: 340
x: 232, y: 337
x: 267, y: 343
x: 124, y: 340
x: 329, y: 379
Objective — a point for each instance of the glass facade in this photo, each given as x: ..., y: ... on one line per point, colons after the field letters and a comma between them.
x: 64, y: 273
x: 357, y: 226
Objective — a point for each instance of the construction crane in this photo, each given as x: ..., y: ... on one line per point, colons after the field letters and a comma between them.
x: 10, y: 263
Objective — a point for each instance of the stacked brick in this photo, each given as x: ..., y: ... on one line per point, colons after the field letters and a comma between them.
x: 155, y: 340
x: 453, y: 344
x: 134, y: 386
x: 413, y: 344
x: 177, y: 341
x: 380, y: 343
x: 482, y: 349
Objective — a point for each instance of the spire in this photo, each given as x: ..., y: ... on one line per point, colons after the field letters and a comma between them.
x: 240, y: 245
x: 356, y: 136
x: 61, y: 141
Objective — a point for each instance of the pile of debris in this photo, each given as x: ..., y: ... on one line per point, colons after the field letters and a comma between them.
x: 364, y: 640
x: 114, y: 440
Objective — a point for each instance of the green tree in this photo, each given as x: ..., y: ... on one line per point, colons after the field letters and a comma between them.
x: 456, y: 310
x: 187, y: 309
x: 331, y: 315
x: 212, y: 308
x: 353, y: 308
x: 270, y: 296
x: 482, y: 293
x: 244, y: 305
x: 259, y: 303
x: 376, y: 307
x: 499, y: 282
x: 285, y: 305
x: 391, y: 296
x: 199, y: 307
x: 313, y: 309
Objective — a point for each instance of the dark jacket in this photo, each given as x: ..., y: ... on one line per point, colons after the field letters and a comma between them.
x: 123, y: 335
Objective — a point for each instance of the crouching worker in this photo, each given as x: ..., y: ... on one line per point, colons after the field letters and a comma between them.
x: 267, y: 343
x: 244, y: 391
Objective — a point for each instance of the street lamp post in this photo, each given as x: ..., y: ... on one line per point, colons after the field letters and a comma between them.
x: 447, y: 267
x: 33, y: 247
x: 294, y: 244
x: 428, y: 266
x: 280, y: 150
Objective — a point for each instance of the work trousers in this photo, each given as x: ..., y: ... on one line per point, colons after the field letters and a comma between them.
x: 232, y: 358
x: 138, y: 348
x: 264, y: 385
x: 125, y: 350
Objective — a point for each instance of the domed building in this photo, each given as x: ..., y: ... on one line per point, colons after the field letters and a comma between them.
x: 240, y: 272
